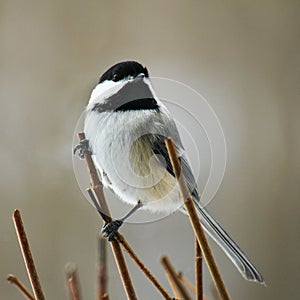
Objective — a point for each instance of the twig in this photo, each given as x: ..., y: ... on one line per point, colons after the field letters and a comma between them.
x: 187, y: 282
x: 99, y: 195
x: 105, y: 297
x: 198, y: 230
x: 20, y: 285
x: 123, y: 271
x: 96, y: 184
x: 120, y: 238
x: 102, y: 274
x: 146, y: 271
x: 27, y: 256
x: 97, y: 187
x: 169, y: 269
x: 73, y: 281
x: 117, y: 251
x: 173, y: 286
x: 198, y: 269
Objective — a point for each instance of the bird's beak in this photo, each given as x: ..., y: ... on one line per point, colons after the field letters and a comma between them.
x: 141, y: 75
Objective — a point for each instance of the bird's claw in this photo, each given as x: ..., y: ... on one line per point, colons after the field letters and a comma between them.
x: 110, y: 229
x: 81, y: 148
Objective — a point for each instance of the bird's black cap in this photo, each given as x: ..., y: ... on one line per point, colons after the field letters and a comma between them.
x: 122, y: 70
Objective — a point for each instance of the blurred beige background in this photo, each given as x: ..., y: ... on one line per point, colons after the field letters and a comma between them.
x: 242, y: 56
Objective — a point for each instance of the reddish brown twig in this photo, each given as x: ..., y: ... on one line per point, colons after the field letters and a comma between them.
x: 173, y: 286
x: 96, y: 184
x: 27, y: 256
x: 146, y: 271
x: 117, y: 251
x: 73, y: 281
x: 173, y: 277
x: 106, y: 218
x: 97, y: 188
x: 120, y: 238
x: 99, y: 195
x: 102, y: 272
x: 198, y: 230
x: 105, y: 297
x: 20, y: 286
x: 198, y: 271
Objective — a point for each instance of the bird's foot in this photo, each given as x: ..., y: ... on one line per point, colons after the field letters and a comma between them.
x: 82, y: 147
x: 110, y: 229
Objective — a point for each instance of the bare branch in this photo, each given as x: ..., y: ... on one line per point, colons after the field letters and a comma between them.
x: 146, y: 271
x: 102, y: 272
x: 99, y: 195
x: 73, y: 281
x: 198, y: 230
x: 20, y: 286
x: 198, y: 269
x: 97, y: 188
x: 105, y: 297
x: 27, y: 256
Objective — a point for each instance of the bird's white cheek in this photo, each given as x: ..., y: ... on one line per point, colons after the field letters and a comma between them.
x: 104, y: 90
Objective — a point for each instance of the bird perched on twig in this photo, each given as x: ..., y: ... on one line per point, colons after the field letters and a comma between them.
x: 126, y: 126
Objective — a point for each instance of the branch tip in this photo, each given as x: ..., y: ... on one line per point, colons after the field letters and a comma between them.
x: 27, y: 256
x: 194, y: 219
x: 12, y: 279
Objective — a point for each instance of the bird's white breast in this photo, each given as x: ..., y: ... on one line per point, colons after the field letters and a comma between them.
x: 126, y: 160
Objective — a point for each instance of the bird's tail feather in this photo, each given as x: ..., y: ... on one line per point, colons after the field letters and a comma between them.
x: 231, y: 249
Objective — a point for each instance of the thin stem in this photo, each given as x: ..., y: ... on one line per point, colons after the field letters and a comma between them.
x: 118, y: 254
x: 20, y: 286
x: 173, y: 277
x: 97, y: 188
x: 105, y: 297
x: 198, y: 230
x: 27, y: 256
x: 123, y: 271
x: 96, y: 184
x: 73, y: 281
x: 94, y: 195
x: 133, y: 210
x: 173, y: 286
x: 198, y: 269
x: 146, y: 271
x: 102, y: 272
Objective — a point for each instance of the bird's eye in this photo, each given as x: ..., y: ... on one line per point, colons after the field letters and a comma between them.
x: 116, y: 77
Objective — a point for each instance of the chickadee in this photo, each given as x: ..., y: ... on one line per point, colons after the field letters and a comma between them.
x: 126, y: 126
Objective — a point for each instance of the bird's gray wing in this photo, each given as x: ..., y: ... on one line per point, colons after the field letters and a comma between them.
x: 211, y: 226
x: 159, y: 148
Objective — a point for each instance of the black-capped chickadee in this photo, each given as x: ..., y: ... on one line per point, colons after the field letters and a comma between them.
x: 126, y: 126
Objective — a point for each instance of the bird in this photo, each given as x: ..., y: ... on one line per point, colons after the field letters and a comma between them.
x: 125, y: 126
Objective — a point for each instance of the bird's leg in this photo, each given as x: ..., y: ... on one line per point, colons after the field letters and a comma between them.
x: 81, y: 148
x: 111, y: 228
x: 136, y: 207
